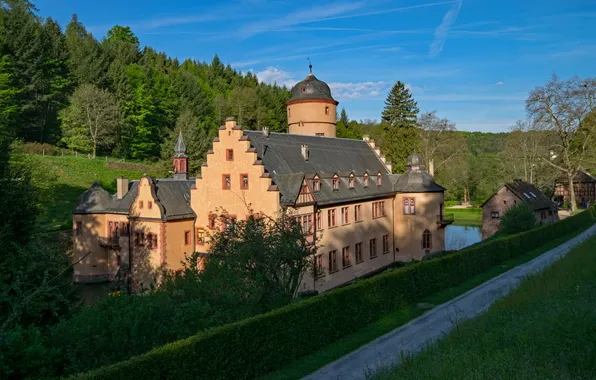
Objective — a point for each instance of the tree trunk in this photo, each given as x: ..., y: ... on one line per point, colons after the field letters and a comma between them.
x: 94, y: 149
x: 572, y: 192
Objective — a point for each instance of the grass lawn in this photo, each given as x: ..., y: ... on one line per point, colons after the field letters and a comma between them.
x: 387, y: 323
x: 471, y: 214
x: 75, y: 175
x: 543, y: 330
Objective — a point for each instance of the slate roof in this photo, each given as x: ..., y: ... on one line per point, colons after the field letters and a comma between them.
x: 180, y: 148
x: 93, y: 200
x: 282, y: 156
x: 172, y: 195
x: 311, y: 88
x: 529, y: 194
x: 581, y: 176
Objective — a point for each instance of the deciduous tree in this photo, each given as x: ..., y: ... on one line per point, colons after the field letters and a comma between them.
x: 90, y: 119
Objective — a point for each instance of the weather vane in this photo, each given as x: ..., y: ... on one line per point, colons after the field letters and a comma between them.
x: 309, y: 64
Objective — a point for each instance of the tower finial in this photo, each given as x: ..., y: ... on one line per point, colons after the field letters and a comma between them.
x: 309, y: 64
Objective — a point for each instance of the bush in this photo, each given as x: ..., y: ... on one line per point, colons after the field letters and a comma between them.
x: 518, y: 219
x: 261, y: 344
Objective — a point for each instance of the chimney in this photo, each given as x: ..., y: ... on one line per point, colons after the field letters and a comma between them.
x: 304, y: 152
x: 431, y: 168
x: 121, y: 187
x: 230, y: 122
x: 266, y: 131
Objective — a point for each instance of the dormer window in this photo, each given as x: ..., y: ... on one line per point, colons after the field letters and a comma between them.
x: 352, y: 181
x: 365, y: 179
x: 379, y: 179
x: 316, y: 184
x: 336, y: 182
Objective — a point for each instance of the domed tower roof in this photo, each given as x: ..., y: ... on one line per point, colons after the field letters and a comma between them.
x: 311, y: 89
x: 415, y: 162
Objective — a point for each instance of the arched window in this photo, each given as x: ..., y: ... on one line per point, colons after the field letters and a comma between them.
x: 352, y: 181
x: 379, y: 179
x: 365, y: 179
x: 326, y: 110
x: 426, y: 240
x: 316, y: 184
x: 335, y: 182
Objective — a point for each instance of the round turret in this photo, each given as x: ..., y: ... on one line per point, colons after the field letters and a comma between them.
x: 311, y: 109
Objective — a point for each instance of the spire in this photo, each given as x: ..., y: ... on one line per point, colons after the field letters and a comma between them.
x: 180, y: 148
x: 309, y: 66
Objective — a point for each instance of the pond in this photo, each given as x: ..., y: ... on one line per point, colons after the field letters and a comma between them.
x: 460, y: 236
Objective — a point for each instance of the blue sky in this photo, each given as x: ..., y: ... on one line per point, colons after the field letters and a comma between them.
x: 474, y: 61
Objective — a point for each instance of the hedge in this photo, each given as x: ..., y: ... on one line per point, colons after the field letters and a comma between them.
x: 264, y: 343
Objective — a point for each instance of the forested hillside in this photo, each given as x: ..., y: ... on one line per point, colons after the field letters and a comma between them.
x: 138, y: 96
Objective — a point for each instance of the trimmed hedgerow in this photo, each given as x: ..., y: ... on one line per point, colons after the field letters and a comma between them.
x: 264, y: 343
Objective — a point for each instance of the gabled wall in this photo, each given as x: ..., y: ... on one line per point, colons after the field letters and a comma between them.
x: 208, y: 196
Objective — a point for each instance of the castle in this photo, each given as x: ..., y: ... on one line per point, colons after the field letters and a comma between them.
x: 363, y: 216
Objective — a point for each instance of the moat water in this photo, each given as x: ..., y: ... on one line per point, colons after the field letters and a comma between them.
x: 460, y: 236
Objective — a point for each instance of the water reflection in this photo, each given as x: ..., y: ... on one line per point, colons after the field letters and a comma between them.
x: 461, y: 236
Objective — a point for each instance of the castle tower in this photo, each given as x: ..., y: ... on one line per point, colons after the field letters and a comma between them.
x: 312, y: 109
x: 180, y: 159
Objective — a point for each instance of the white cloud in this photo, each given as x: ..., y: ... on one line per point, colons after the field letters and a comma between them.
x: 443, y: 30
x: 355, y: 90
x: 274, y: 75
x: 473, y: 97
x: 499, y: 83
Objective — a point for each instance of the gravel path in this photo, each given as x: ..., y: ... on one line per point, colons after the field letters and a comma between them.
x: 418, y: 333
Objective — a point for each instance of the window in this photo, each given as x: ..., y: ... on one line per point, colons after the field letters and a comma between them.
x: 332, y: 261
x: 305, y: 222
x: 155, y: 241
x: 139, y: 239
x: 326, y: 110
x: 345, y: 256
x: 229, y: 223
x: 289, y: 112
x: 229, y: 154
x: 379, y: 180
x: 244, y: 181
x: 526, y: 195
x: 385, y: 244
x: 225, y: 182
x: 78, y: 228
x: 345, y: 215
x: 212, y: 221
x: 504, y: 202
x: 534, y: 195
x: 140, y: 204
x: 335, y: 182
x: 150, y: 240
x: 316, y: 185
x: 186, y: 237
x: 409, y: 206
x: 378, y: 209
x: 331, y: 222
x: 373, y: 248
x: 494, y: 215
x: 319, y: 265
x: 426, y: 240
x: 542, y: 215
x: 319, y: 134
x: 149, y: 205
x: 357, y: 213
x: 358, y: 252
x: 319, y: 221
x: 365, y: 179
x: 200, y: 236
x: 352, y: 181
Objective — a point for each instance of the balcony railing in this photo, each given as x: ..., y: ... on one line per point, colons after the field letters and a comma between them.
x: 444, y: 219
x: 111, y: 241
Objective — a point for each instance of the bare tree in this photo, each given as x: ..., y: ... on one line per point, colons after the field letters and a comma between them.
x: 440, y: 140
x: 562, y: 108
x: 90, y: 119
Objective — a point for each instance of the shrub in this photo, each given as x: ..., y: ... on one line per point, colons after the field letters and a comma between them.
x: 518, y: 219
x: 261, y: 344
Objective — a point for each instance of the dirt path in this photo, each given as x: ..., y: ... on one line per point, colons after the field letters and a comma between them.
x: 414, y: 336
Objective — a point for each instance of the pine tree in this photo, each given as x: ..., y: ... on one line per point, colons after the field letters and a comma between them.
x: 87, y: 62
x: 400, y: 135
